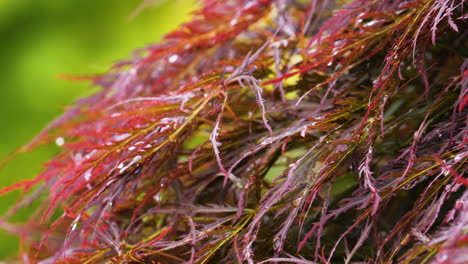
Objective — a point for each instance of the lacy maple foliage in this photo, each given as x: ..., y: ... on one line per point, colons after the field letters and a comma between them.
x: 263, y: 131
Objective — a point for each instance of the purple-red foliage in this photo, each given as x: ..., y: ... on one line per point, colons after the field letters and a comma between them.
x: 263, y: 131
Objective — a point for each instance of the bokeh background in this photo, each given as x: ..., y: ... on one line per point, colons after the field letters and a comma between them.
x: 42, y: 38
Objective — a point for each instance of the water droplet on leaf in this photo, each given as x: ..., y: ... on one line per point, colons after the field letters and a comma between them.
x: 173, y: 58
x: 60, y: 141
x: 458, y: 158
x: 87, y: 174
x: 132, y: 148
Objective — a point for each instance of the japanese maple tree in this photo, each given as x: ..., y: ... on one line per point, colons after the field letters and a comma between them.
x: 282, y: 131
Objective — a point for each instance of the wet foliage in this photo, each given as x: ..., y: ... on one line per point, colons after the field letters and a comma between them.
x: 267, y: 132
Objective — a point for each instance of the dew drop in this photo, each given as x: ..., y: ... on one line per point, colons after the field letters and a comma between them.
x: 250, y: 5
x: 77, y: 158
x: 233, y: 22
x: 276, y: 243
x: 90, y: 154
x: 445, y: 171
x: 371, y: 23
x: 120, y: 137
x: 157, y: 198
x: 442, y: 257
x: 267, y: 141
x: 173, y: 58
x: 60, y: 141
x: 311, y: 51
x: 163, y: 182
x: 132, y: 148
x: 87, y: 174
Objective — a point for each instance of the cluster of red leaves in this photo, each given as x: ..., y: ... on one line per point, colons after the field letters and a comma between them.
x: 262, y: 131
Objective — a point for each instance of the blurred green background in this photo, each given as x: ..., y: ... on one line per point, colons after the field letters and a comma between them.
x: 42, y: 38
